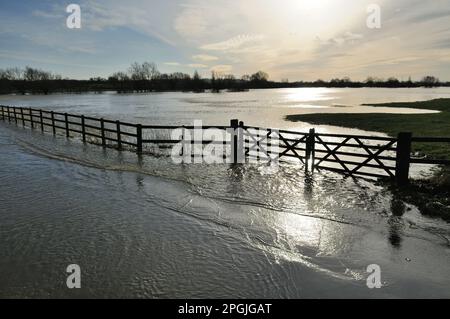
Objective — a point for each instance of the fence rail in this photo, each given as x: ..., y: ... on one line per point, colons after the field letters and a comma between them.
x: 353, y: 155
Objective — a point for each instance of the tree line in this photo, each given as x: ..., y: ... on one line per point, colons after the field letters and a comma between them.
x: 145, y: 77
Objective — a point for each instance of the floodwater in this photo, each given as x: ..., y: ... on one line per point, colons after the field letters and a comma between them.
x: 265, y: 108
x: 145, y: 227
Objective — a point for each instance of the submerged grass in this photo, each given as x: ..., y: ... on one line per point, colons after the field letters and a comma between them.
x: 432, y: 196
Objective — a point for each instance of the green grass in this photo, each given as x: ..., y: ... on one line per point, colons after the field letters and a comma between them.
x: 429, y: 125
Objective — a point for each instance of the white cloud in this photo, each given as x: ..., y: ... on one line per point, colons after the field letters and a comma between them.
x: 299, y: 39
x: 191, y: 21
x: 343, y: 39
x: 147, y: 17
x: 172, y: 63
x: 204, y: 57
x: 233, y: 43
x: 189, y: 65
x: 222, y: 68
x: 47, y: 14
x: 197, y: 65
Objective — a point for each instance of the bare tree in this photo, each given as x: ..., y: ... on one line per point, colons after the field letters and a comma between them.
x: 430, y: 81
x: 119, y: 76
x: 150, y: 71
x: 144, y: 71
x: 260, y: 76
x: 11, y: 74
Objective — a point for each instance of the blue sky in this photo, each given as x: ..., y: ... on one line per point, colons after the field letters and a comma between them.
x: 294, y: 39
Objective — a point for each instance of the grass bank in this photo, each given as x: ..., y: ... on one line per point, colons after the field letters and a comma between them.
x: 431, y: 196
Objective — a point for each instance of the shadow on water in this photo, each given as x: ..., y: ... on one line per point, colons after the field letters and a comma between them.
x: 236, y: 173
x: 395, y: 222
x: 308, y: 190
x: 139, y: 165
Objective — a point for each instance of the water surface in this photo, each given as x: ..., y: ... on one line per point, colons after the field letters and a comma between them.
x: 256, y: 108
x: 144, y: 227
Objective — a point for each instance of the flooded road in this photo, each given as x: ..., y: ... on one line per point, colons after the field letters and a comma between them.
x: 145, y: 227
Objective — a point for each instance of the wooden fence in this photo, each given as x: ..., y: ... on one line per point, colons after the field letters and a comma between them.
x: 352, y: 155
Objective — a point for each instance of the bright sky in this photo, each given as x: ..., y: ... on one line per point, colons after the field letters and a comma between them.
x: 294, y: 39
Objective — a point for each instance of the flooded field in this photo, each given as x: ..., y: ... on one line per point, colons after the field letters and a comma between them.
x: 257, y: 107
x: 145, y: 227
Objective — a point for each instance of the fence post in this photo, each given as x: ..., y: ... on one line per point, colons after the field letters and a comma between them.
x: 241, y: 144
x: 41, y: 120
x: 403, y: 158
x: 102, y: 127
x: 234, y: 142
x: 15, y: 115
x: 23, y: 118
x: 53, y: 122
x: 31, y: 117
x: 66, y: 120
x: 182, y: 142
x: 83, y: 129
x: 139, y: 138
x: 9, y: 115
x: 119, y: 136
x: 3, y: 113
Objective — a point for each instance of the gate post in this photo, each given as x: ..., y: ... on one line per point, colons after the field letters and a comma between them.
x: 234, y: 139
x: 403, y: 158
x: 309, y: 153
x: 237, y: 141
x: 313, y: 148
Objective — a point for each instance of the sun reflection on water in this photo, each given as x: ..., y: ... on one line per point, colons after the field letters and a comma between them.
x: 309, y: 94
